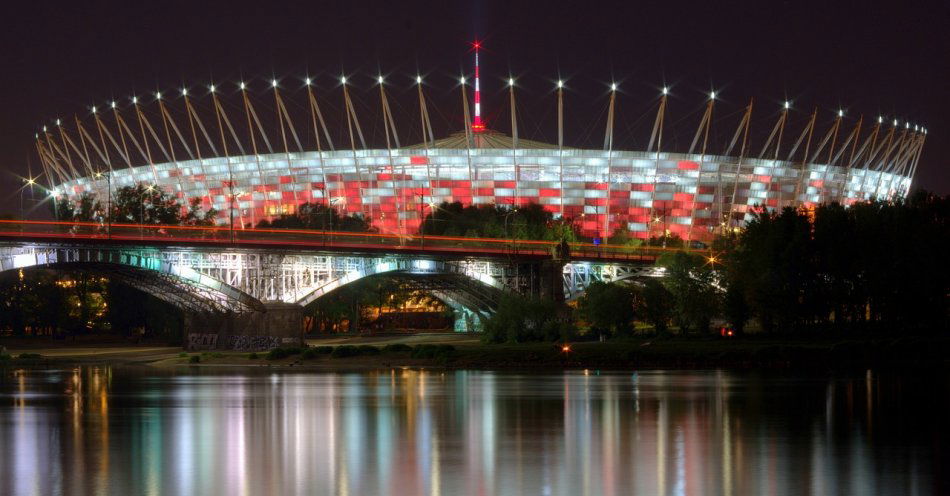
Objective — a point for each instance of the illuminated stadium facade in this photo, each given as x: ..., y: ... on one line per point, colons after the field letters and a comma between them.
x: 228, y: 160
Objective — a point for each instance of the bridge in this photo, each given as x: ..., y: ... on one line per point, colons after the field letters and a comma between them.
x: 236, y: 283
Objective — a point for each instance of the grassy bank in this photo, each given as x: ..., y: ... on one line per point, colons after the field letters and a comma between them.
x: 466, y: 353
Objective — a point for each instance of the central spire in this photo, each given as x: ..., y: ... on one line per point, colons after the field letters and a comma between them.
x: 477, y: 125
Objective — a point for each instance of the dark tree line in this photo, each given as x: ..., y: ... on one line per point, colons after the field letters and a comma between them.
x: 312, y: 216
x: 495, y: 221
x: 872, y: 267
x: 139, y: 204
x: 878, y: 266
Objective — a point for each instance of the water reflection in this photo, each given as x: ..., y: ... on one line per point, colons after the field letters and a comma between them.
x: 129, y: 431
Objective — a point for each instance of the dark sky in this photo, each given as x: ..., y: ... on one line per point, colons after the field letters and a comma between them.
x: 891, y: 58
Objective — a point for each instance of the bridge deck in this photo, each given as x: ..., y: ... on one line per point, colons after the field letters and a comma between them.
x: 295, y: 240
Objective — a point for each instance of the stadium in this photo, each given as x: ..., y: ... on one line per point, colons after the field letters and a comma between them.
x: 208, y: 148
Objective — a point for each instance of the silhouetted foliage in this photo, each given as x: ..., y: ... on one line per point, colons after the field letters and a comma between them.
x: 655, y: 305
x: 608, y: 308
x: 139, y: 204
x: 320, y: 217
x: 875, y: 265
x: 495, y: 221
x: 520, y: 319
x: 691, y: 283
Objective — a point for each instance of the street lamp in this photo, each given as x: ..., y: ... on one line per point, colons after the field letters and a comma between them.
x: 510, y: 238
x: 422, y: 206
x: 108, y: 201
x: 148, y: 191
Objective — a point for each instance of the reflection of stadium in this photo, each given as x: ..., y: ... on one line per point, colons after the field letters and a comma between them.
x: 269, y: 171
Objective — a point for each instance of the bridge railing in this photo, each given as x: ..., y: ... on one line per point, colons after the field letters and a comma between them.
x: 313, y: 239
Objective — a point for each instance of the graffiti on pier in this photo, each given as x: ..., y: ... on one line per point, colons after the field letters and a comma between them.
x: 202, y: 341
x: 253, y: 343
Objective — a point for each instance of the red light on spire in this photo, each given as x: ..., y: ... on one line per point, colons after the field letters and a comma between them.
x: 477, y: 125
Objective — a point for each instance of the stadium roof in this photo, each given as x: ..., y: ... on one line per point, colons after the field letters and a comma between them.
x: 485, y: 139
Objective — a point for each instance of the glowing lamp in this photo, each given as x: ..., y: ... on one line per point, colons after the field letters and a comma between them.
x: 273, y: 83
x: 135, y: 100
x: 418, y: 79
x: 307, y: 81
x: 665, y: 90
x: 613, y: 86
x: 788, y: 104
x: 462, y: 80
x: 712, y: 95
x: 158, y: 95
x: 242, y: 86
x: 184, y: 92
x: 342, y: 79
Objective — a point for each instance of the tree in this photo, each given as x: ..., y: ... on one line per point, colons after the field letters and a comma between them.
x: 623, y: 237
x: 141, y: 204
x: 654, y: 303
x: 690, y: 280
x: 608, y: 308
x: 493, y: 221
x: 735, y: 301
x: 319, y: 217
x: 196, y: 216
x: 85, y: 209
x: 519, y: 319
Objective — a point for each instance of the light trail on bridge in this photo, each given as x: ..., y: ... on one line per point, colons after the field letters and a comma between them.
x: 316, y: 240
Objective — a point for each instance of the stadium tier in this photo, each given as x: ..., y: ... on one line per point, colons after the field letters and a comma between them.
x: 648, y: 193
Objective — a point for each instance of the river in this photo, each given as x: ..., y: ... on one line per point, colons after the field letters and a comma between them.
x: 130, y: 431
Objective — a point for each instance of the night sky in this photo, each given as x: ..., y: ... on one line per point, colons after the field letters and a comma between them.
x: 892, y: 59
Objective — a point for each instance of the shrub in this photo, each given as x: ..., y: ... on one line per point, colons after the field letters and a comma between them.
x: 397, y: 348
x: 368, y: 350
x: 5, y: 357
x: 30, y: 356
x: 252, y: 356
x: 182, y: 355
x: 345, y: 351
x: 195, y: 359
x: 279, y: 353
x: 433, y: 351
x: 311, y: 353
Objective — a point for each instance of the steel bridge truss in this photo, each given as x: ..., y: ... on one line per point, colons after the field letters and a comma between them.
x: 243, y: 280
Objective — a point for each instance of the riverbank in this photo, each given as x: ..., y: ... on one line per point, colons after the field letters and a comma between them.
x: 466, y: 352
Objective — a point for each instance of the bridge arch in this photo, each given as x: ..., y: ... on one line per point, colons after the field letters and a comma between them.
x: 578, y: 275
x: 473, y: 295
x: 142, y: 269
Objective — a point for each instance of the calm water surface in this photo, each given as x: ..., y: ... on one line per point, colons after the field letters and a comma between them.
x: 128, y: 431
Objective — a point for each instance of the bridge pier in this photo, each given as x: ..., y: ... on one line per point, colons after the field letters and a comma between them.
x: 280, y: 325
x: 552, y: 280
